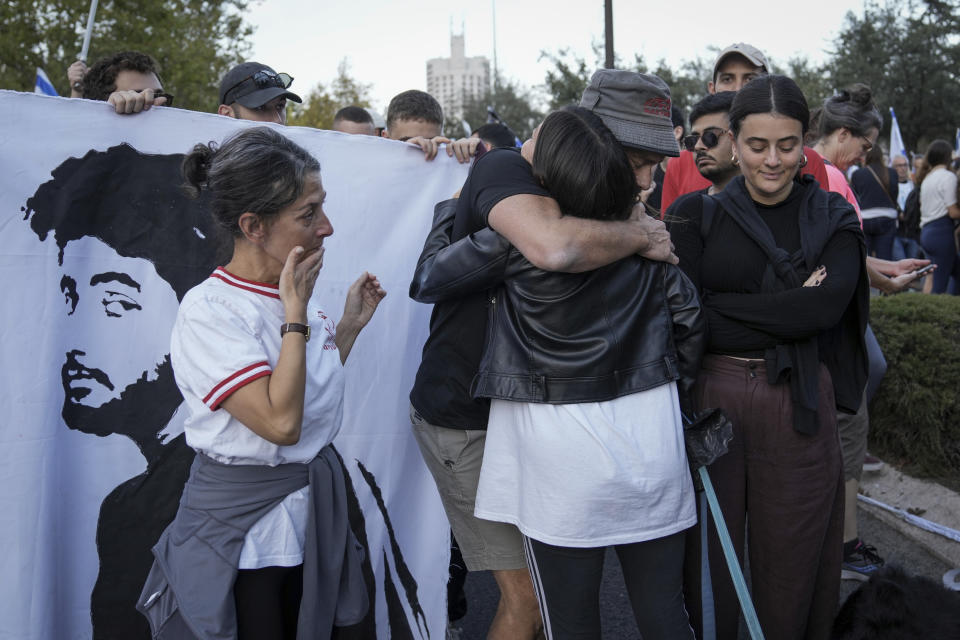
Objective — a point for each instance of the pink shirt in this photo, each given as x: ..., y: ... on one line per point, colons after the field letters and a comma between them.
x: 837, y: 182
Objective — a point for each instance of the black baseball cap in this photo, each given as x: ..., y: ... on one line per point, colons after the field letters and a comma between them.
x: 261, y: 88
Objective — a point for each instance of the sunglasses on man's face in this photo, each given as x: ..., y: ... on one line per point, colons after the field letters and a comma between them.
x: 710, y: 137
x: 259, y: 80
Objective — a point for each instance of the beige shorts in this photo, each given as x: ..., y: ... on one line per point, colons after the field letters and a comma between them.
x: 454, y: 457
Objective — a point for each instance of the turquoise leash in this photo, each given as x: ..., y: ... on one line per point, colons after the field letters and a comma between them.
x: 708, y: 617
x: 746, y: 604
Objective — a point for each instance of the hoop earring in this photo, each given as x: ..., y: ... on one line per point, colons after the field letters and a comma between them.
x: 803, y: 161
x: 734, y: 160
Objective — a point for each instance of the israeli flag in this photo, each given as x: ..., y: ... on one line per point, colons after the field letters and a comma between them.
x: 896, y: 140
x: 956, y: 143
x: 43, y: 84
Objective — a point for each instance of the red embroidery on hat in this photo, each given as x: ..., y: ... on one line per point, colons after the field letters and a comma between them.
x: 657, y: 107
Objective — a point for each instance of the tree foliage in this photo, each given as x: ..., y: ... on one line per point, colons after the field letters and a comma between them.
x: 512, y: 102
x: 321, y: 104
x: 907, y: 51
x: 687, y: 85
x: 909, y: 54
x: 194, y: 41
x: 813, y: 80
x: 566, y: 80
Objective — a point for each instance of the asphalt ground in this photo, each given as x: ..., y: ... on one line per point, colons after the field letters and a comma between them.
x: 618, y: 624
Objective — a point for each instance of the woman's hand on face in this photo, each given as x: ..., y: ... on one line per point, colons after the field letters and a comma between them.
x: 817, y: 277
x: 297, y: 279
x: 363, y: 297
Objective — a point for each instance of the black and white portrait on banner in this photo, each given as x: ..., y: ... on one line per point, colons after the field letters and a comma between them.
x: 102, y: 245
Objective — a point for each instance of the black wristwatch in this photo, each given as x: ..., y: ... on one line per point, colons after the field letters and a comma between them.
x: 296, y: 327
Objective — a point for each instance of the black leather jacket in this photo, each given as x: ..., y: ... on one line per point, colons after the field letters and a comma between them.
x: 562, y: 337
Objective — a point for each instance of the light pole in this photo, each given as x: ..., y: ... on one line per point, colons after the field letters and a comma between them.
x: 608, y: 32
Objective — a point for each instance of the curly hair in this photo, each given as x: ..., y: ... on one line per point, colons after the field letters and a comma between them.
x: 101, y: 79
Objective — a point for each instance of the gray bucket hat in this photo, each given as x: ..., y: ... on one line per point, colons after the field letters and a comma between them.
x: 635, y: 107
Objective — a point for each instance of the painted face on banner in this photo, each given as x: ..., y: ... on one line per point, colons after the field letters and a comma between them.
x: 114, y: 306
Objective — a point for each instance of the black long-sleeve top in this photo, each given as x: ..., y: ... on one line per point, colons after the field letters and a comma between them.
x: 871, y: 193
x: 728, y: 267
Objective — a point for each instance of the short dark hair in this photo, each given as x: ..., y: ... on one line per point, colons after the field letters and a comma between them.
x: 712, y: 103
x: 939, y: 152
x: 353, y: 114
x: 851, y: 109
x: 769, y: 93
x: 583, y: 165
x: 129, y: 201
x: 101, y: 79
x: 256, y: 170
x: 498, y: 135
x: 414, y: 105
x: 676, y: 116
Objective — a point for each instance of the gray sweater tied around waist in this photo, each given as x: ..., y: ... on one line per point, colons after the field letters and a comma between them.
x: 189, y: 591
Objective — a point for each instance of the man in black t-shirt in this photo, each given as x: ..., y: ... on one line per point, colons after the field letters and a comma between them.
x: 449, y: 424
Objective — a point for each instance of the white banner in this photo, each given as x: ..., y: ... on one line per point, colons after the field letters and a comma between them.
x: 92, y: 458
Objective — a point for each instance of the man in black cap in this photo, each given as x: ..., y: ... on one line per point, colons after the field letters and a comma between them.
x: 254, y: 91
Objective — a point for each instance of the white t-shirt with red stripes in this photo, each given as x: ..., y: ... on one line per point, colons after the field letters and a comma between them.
x: 227, y: 334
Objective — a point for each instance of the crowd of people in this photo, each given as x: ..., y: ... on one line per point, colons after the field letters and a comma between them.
x: 573, y: 337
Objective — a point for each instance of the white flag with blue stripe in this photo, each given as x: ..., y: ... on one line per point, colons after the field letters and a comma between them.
x: 43, y: 84
x: 896, y: 140
x: 956, y: 143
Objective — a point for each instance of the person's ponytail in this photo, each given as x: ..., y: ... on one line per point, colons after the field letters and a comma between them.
x: 196, y: 168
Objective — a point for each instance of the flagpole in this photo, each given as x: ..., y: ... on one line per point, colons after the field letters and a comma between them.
x: 86, y: 37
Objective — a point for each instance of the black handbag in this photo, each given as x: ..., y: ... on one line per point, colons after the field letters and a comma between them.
x: 707, y: 435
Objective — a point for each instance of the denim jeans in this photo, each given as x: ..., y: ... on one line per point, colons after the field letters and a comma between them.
x: 937, y: 240
x: 880, y: 233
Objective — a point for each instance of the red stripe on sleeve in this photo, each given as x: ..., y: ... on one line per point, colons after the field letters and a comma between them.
x: 233, y: 377
x: 242, y: 383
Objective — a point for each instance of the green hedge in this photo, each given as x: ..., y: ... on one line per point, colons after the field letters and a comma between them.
x: 915, y: 414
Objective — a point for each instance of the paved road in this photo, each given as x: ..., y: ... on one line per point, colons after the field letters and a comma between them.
x: 618, y: 621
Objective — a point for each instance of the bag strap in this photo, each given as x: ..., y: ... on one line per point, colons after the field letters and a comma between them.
x: 743, y: 594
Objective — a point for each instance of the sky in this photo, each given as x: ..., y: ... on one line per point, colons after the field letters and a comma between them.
x: 387, y: 43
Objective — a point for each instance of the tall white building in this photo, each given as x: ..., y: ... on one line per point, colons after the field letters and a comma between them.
x: 455, y: 79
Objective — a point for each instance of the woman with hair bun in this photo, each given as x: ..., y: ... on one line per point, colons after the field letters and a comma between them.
x: 938, y: 214
x: 848, y: 125
x: 779, y: 263
x: 261, y: 546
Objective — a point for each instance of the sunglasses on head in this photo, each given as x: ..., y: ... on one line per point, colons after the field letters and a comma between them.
x: 259, y: 80
x: 710, y: 137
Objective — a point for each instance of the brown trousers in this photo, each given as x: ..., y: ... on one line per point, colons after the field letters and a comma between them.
x: 789, y: 487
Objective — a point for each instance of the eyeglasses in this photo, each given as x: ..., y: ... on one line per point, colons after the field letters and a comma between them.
x: 710, y: 137
x: 161, y: 94
x: 867, y: 146
x: 259, y: 80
